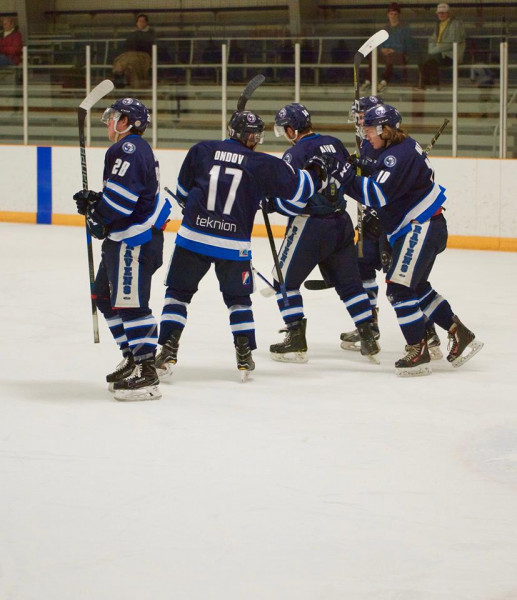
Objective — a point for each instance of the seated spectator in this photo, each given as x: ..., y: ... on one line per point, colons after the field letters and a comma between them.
x: 10, y: 44
x: 132, y: 66
x: 447, y: 30
x: 394, y: 51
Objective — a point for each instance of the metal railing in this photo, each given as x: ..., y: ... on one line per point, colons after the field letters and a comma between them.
x: 316, y: 83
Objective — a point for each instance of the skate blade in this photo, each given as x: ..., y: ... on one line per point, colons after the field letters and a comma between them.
x: 245, y: 373
x: 290, y: 357
x: 147, y: 393
x: 165, y: 372
x: 373, y: 358
x: 420, y: 371
x: 475, y: 347
x: 354, y: 346
x: 435, y: 353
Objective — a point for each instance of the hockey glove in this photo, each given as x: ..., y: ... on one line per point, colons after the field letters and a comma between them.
x: 319, y: 166
x: 344, y: 173
x: 268, y: 205
x: 84, y: 198
x: 365, y: 164
x: 94, y: 223
x: 371, y: 224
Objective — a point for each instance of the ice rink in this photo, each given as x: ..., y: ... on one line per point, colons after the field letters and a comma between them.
x: 331, y: 480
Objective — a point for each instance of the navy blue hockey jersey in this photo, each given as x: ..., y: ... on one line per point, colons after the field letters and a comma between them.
x: 222, y: 184
x: 131, y: 203
x: 311, y: 145
x: 401, y: 188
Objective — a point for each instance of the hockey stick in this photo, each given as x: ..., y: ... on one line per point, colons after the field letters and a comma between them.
x: 278, y: 269
x: 322, y: 284
x: 94, y: 96
x: 375, y: 40
x: 248, y: 91
x: 436, y: 136
x: 270, y: 289
x: 178, y: 200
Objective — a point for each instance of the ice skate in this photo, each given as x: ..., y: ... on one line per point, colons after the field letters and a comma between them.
x: 415, y: 363
x: 433, y: 343
x: 168, y: 356
x: 351, y: 340
x: 294, y: 346
x: 141, y: 385
x: 245, y: 362
x: 368, y: 344
x: 461, y: 338
x: 124, y: 369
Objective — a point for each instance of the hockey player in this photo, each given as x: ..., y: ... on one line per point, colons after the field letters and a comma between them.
x: 322, y: 235
x: 402, y: 190
x: 376, y: 249
x: 375, y: 245
x: 221, y: 184
x: 129, y: 216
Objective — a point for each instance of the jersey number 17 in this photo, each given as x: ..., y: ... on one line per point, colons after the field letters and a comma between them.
x: 215, y: 172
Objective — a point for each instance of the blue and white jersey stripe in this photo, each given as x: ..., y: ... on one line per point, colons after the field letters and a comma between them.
x: 372, y: 194
x: 140, y: 233
x: 181, y: 191
x: 213, y: 245
x: 296, y: 205
x: 121, y: 200
x: 420, y: 213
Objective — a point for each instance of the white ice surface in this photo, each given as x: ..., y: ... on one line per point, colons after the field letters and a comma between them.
x: 326, y: 481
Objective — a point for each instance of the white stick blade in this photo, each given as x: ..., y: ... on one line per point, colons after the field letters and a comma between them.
x: 268, y: 292
x: 376, y: 40
x: 96, y: 94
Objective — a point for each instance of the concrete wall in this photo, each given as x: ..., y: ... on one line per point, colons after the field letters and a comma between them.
x: 38, y: 185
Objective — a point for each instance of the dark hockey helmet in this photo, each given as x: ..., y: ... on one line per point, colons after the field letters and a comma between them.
x: 133, y: 109
x: 380, y: 115
x: 294, y: 115
x: 365, y: 102
x: 245, y: 123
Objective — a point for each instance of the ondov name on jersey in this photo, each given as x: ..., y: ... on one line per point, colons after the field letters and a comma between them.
x: 231, y: 157
x: 215, y: 224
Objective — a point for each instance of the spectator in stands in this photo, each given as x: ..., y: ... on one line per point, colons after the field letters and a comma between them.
x: 132, y: 66
x: 394, y: 51
x: 448, y: 30
x: 10, y: 44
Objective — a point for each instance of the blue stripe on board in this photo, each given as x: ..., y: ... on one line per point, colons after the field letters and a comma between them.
x: 44, y: 212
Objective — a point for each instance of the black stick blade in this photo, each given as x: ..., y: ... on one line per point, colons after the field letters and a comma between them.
x: 317, y: 284
x: 248, y: 91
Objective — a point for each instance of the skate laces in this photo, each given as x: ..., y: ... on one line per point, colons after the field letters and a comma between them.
x: 172, y: 344
x: 454, y: 340
x: 137, y: 372
x: 123, y: 363
x: 243, y: 352
x: 413, y: 350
